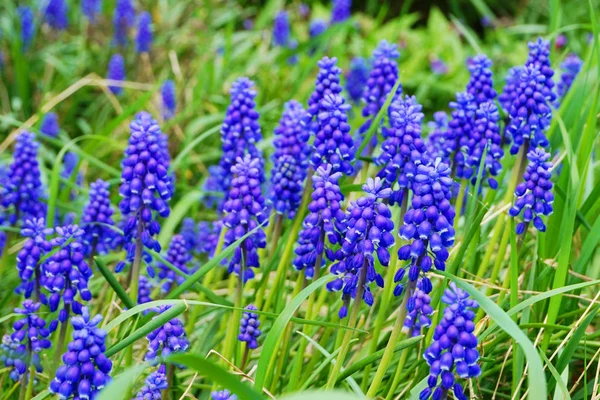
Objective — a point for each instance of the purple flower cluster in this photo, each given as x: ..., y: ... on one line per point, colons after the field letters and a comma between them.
x: 324, y: 224
x: 281, y: 29
x: 333, y: 144
x: 66, y: 273
x: 530, y: 112
x: 223, y: 395
x: 208, y: 237
x: 419, y: 311
x: 146, y: 186
x: 328, y: 82
x: 481, y: 85
x: 460, y: 129
x: 341, y: 10
x: 570, y: 69
x: 438, y: 133
x: 539, y: 55
x: 97, y: 220
x: 49, y: 126
x: 26, y: 20
x: 244, y: 211
x: 167, y: 339
x: 356, y: 78
x: 509, y: 93
x: 179, y: 256
x: 56, y: 14
x: 381, y: 81
x: 249, y: 327
x: 123, y: 21
x: 85, y: 370
x: 91, y: 9
x: 369, y: 228
x: 290, y: 160
x: 156, y: 382
x: 21, y: 190
x: 28, y: 258
x: 317, y: 27
x: 534, y: 196
x: 403, y: 149
x: 116, y: 72
x: 143, y: 38
x: 169, y: 99
x: 28, y: 340
x: 144, y: 290
x: 454, y: 347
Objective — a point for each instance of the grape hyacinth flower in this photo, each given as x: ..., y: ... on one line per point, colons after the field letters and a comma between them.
x: 530, y: 112
x: 369, y: 228
x: 245, y: 210
x: 333, y: 143
x: 460, y: 129
x: 145, y: 290
x: 179, y: 256
x: 156, y: 382
x: 49, y: 126
x: 36, y: 246
x: 341, y: 10
x: 291, y: 138
x: 438, y: 131
x: 169, y: 99
x: 285, y: 193
x: 223, y: 395
x: 91, y: 9
x: 453, y: 353
x: 534, y: 195
x: 419, y: 311
x: 403, y: 149
x: 570, y: 69
x: 382, y: 78
x: 189, y: 232
x: 428, y: 227
x: 509, y: 93
x: 324, y: 224
x: 22, y: 189
x: 481, y: 85
x: 116, y: 72
x: 208, y: 237
x: 26, y: 20
x: 438, y: 66
x: 328, y: 82
x: 539, y: 55
x: 281, y: 29
x: 28, y: 340
x: 249, y: 327
x: 560, y: 41
x: 55, y: 14
x: 66, y: 273
x: 11, y: 357
x: 97, y: 220
x: 85, y: 370
x: 123, y: 21
x: 356, y: 78
x: 167, y: 339
x: 143, y: 38
x: 146, y: 187
x: 240, y: 134
x: 317, y: 27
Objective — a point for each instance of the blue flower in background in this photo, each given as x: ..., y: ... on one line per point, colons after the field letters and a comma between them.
x: 530, y: 112
x: 55, y: 14
x: 22, y: 191
x: 534, y: 195
x: 245, y: 210
x: 156, y: 382
x: 50, y: 126
x: 145, y: 290
x: 281, y: 29
x: 481, y: 85
x: 317, y: 27
x: 341, y: 10
x: 143, y: 38
x: 116, y: 72
x: 26, y: 21
x: 179, y: 256
x: 453, y: 353
x: 169, y: 99
x: 97, y: 220
x: 208, y: 237
x: 86, y: 369
x: 223, y: 395
x: 356, y: 78
x: 570, y: 69
x: 249, y: 327
x: 324, y: 226
x: 509, y: 93
x: 438, y: 66
x: 368, y: 232
x: 91, y: 9
x: 123, y: 21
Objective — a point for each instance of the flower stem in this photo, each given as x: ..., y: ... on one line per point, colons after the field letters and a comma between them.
x: 166, y: 394
x: 61, y: 337
x: 351, y: 324
x: 391, y: 345
x: 233, y: 329
x: 397, y: 375
x: 459, y: 202
x: 137, y: 261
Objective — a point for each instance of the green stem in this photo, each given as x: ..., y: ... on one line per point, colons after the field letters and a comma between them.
x: 61, y: 336
x: 234, y: 327
x: 166, y: 394
x: 137, y: 261
x: 397, y: 375
x: 391, y: 345
x: 459, y: 202
x: 351, y: 323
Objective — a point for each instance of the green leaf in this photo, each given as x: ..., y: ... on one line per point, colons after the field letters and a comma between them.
x: 323, y: 395
x: 114, y: 284
x: 190, y: 146
x: 216, y: 374
x: 120, y: 386
x: 269, y: 352
x: 536, y: 377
